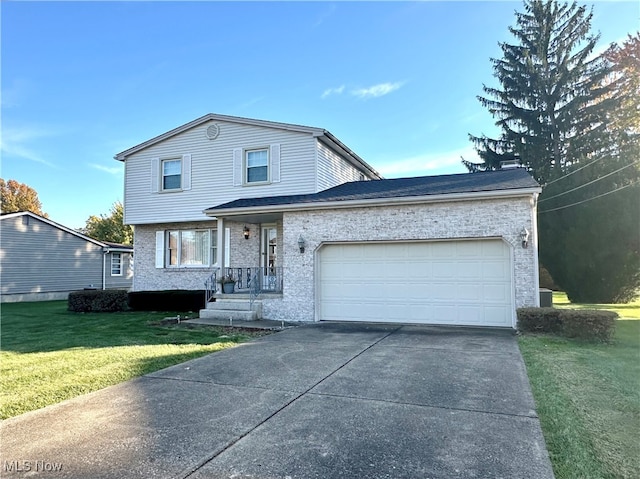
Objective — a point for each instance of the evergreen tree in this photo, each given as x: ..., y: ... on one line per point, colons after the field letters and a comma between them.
x: 558, y: 110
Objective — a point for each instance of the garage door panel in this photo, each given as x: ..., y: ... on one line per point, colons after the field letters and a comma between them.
x: 449, y: 282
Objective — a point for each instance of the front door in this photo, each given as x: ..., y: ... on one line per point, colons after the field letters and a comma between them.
x: 268, y: 255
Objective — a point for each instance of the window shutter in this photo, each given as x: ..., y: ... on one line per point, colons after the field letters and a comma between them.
x: 237, y: 167
x: 159, y: 249
x: 275, y: 163
x: 227, y: 244
x: 186, y: 172
x: 155, y: 175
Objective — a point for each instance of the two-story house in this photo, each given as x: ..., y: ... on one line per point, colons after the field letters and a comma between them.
x: 309, y: 231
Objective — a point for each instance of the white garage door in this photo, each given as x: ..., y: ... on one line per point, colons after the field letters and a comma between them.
x: 448, y: 282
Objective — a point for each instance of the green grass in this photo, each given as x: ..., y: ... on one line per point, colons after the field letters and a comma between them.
x: 49, y: 354
x: 588, y: 398
x: 625, y: 311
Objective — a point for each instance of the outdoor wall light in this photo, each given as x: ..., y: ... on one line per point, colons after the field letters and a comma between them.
x: 524, y: 236
x: 301, y: 243
x: 246, y: 231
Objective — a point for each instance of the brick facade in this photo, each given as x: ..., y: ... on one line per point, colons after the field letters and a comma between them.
x: 495, y: 218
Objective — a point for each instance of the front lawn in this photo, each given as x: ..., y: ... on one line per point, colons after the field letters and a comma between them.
x: 625, y: 311
x: 49, y: 354
x: 588, y: 398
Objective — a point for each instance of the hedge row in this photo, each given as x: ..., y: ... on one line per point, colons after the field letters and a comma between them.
x: 179, y: 300
x: 586, y: 324
x: 87, y: 301
x: 111, y: 300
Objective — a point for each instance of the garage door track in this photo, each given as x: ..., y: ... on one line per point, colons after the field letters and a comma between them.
x: 330, y: 400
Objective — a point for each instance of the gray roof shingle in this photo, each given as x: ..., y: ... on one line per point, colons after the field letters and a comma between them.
x: 516, y: 178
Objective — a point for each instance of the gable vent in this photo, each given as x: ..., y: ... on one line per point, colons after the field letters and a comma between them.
x: 213, y: 131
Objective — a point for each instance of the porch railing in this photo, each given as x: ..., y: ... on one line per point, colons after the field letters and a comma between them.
x: 249, y: 279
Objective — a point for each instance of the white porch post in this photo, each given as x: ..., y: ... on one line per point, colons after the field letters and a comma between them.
x: 221, y: 244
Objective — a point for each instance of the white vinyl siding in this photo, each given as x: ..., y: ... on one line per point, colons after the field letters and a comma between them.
x: 212, y: 171
x: 333, y: 169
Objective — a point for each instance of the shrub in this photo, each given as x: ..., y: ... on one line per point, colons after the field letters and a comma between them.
x: 109, y: 300
x: 539, y: 320
x: 572, y: 323
x: 180, y: 300
x: 588, y: 324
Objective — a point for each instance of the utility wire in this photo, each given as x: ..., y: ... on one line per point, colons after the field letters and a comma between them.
x: 589, y: 199
x: 572, y: 172
x: 589, y: 183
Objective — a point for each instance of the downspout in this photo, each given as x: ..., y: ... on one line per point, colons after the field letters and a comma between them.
x: 536, y: 251
x: 104, y: 269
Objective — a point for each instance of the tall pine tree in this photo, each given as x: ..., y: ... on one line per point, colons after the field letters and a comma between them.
x: 555, y: 110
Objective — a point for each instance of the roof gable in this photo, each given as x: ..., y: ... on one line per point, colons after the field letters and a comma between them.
x: 320, y: 133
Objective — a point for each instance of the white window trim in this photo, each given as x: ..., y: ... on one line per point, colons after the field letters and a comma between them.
x: 157, y: 174
x: 163, y: 254
x: 240, y: 165
x: 113, y: 256
x: 245, y: 166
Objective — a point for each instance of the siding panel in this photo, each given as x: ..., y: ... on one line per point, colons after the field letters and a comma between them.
x: 333, y: 169
x: 37, y: 257
x: 212, y: 171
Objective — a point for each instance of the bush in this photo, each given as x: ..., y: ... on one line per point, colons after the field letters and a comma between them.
x: 109, y: 300
x: 572, y: 323
x: 588, y: 324
x: 179, y: 300
x: 539, y: 320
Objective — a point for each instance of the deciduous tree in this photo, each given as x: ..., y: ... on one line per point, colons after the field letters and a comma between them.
x: 110, y: 228
x: 17, y: 196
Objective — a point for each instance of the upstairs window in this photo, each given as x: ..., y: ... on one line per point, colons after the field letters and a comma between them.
x: 171, y: 174
x: 257, y: 166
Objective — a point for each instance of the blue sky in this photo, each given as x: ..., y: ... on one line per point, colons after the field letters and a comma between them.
x: 396, y: 81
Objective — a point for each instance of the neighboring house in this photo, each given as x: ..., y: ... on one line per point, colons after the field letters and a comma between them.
x: 289, y: 210
x: 42, y: 260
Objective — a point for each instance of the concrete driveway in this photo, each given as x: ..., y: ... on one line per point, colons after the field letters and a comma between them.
x: 321, y: 401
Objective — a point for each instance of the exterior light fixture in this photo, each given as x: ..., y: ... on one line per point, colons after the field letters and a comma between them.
x: 246, y: 231
x: 524, y: 236
x: 301, y: 244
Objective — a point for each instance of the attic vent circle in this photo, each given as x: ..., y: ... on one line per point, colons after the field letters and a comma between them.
x: 213, y: 131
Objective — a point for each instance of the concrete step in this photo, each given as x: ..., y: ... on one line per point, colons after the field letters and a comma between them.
x: 235, y: 304
x: 227, y: 314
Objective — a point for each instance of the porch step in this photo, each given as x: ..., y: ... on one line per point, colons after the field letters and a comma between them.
x: 238, y: 309
x: 235, y: 304
x: 228, y: 314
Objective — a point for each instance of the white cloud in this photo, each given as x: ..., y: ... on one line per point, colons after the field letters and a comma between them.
x: 448, y: 162
x: 376, y: 91
x: 325, y: 14
x: 113, y: 170
x: 333, y: 91
x: 14, y: 142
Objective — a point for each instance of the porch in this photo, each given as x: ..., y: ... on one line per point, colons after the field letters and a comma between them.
x: 234, y: 293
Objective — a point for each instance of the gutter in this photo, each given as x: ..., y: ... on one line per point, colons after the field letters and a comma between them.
x: 344, y: 204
